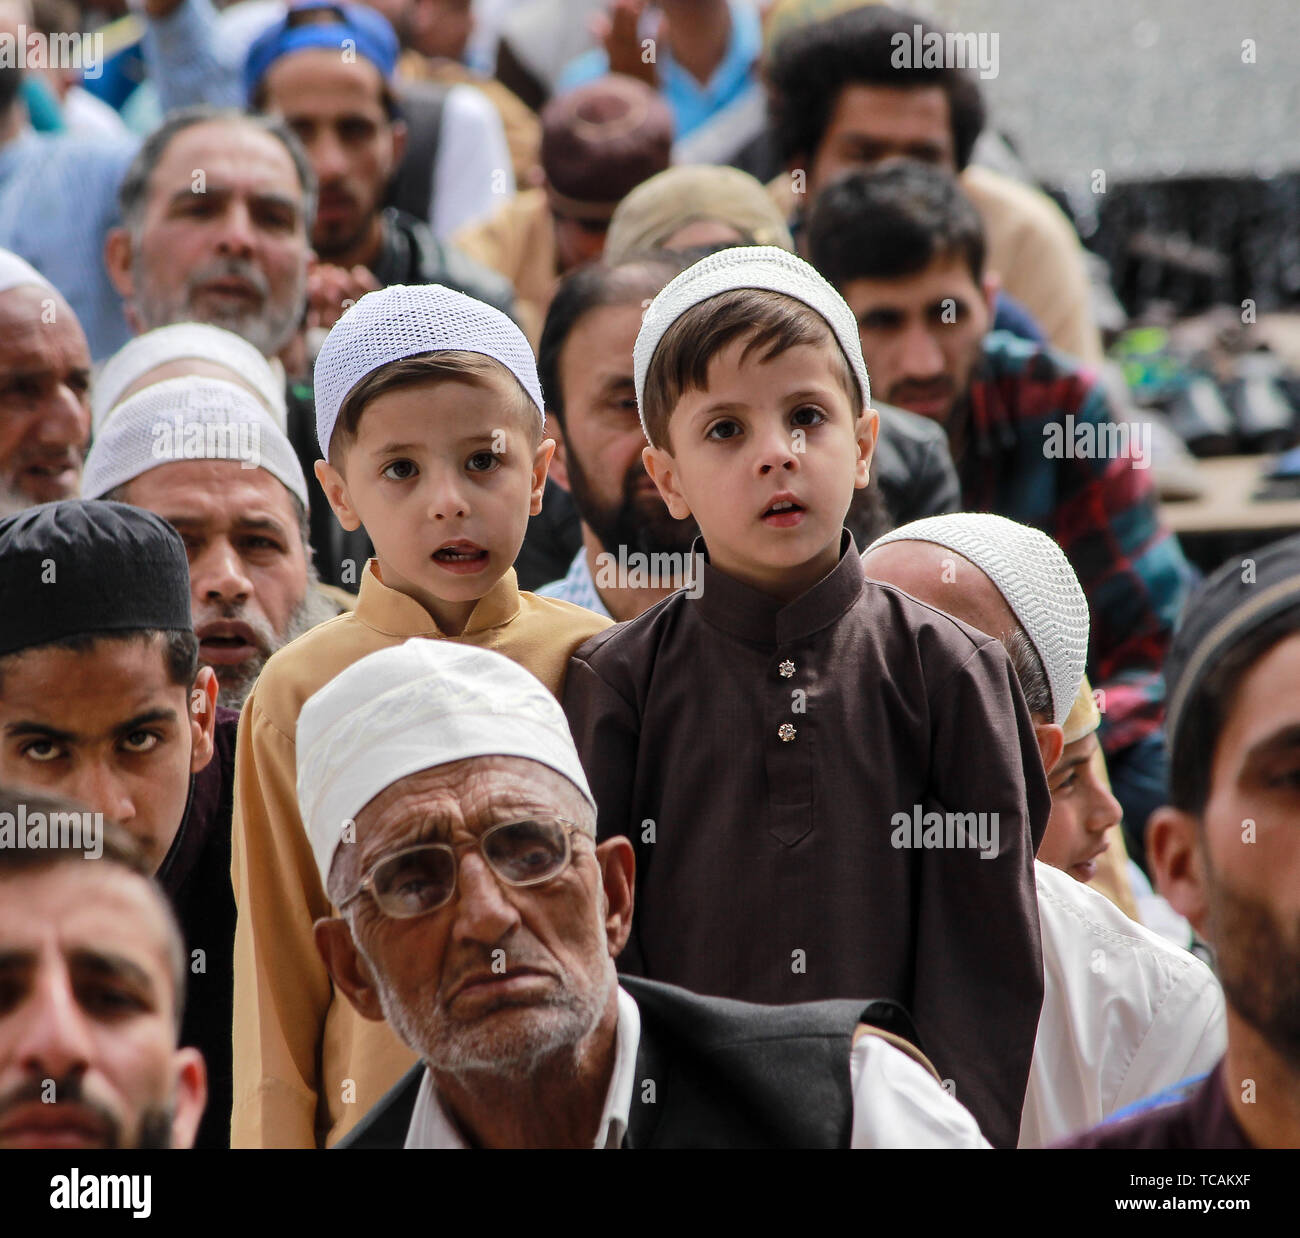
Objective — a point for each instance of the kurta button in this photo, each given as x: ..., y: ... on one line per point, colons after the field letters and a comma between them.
x: 786, y: 731
x: 786, y: 668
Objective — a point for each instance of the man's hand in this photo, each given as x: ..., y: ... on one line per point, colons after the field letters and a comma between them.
x: 619, y: 31
x: 331, y: 290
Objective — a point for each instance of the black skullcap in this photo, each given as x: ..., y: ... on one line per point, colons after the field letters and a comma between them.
x: 1228, y: 606
x: 81, y: 567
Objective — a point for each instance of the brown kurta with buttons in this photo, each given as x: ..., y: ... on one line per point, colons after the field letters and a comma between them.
x: 756, y: 755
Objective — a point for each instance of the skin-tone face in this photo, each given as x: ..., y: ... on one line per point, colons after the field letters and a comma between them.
x: 441, y: 28
x: 248, y: 568
x: 228, y: 247
x: 521, y: 1055
x: 767, y: 459
x: 337, y: 110
x: 599, y: 452
x: 109, y: 729
x: 87, y: 1005
x: 443, y: 476
x: 44, y: 398
x: 950, y: 582
x: 578, y: 241
x: 922, y: 333
x: 1235, y: 875
x: 869, y: 124
x: 1083, y: 811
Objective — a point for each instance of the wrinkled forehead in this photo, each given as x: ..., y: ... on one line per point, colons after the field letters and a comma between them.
x: 37, y: 322
x: 232, y: 156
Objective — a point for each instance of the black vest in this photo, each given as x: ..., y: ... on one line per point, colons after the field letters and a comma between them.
x: 714, y: 1073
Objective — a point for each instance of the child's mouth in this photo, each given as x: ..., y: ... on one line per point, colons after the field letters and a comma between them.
x: 783, y: 513
x: 462, y: 557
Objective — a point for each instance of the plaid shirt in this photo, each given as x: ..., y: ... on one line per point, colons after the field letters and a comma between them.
x: 1101, y: 511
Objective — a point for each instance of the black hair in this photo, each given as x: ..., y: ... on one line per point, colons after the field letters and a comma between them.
x: 597, y: 284
x: 180, y: 649
x: 811, y: 65
x: 1206, y: 712
x: 892, y: 221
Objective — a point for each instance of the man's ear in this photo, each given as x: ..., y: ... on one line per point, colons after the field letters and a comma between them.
x: 617, y: 862
x: 335, y: 486
x: 191, y: 1096
x: 117, y: 259
x: 347, y: 968
x: 203, y: 718
x: 541, y: 461
x: 399, y: 144
x: 559, y: 464
x: 990, y: 286
x: 663, y: 472
x: 1051, y: 743
x: 1177, y: 864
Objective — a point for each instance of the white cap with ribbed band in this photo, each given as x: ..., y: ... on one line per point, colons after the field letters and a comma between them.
x: 747, y: 266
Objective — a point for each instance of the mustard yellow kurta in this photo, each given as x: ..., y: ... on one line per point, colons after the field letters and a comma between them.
x: 307, y: 1067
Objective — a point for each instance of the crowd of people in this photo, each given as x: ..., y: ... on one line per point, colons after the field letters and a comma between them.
x: 544, y: 606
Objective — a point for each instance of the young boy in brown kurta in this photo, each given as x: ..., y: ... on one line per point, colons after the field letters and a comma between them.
x: 429, y: 411
x: 789, y: 745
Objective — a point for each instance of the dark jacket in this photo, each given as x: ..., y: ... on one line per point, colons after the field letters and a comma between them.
x: 195, y: 873
x: 725, y: 1074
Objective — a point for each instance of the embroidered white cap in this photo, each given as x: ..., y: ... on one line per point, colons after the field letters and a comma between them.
x: 747, y: 266
x: 412, y: 707
x: 15, y: 272
x: 184, y: 419
x: 184, y: 341
x: 406, y: 321
x: 1032, y: 573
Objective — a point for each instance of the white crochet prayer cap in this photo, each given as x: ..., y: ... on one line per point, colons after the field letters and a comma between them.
x: 189, y: 419
x: 185, y: 341
x: 15, y: 272
x: 404, y: 321
x: 412, y: 707
x: 1032, y: 573
x: 747, y: 266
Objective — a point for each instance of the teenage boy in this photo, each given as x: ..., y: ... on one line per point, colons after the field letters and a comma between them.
x: 102, y: 700
x: 757, y: 736
x: 429, y: 416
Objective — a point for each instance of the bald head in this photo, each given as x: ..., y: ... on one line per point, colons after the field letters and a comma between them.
x: 945, y: 579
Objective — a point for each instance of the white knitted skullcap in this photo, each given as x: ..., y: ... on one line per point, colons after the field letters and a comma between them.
x: 747, y: 266
x: 412, y: 707
x: 189, y: 419
x: 1032, y: 573
x: 15, y: 272
x: 405, y: 321
x: 184, y: 341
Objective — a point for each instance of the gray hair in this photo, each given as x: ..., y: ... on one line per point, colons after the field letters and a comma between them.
x: 133, y: 193
x: 1029, y: 671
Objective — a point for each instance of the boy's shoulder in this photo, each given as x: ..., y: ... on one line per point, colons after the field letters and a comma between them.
x: 632, y: 640
x: 536, y: 608
x: 298, y: 670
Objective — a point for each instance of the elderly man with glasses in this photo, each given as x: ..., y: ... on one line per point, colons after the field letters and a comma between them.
x: 455, y: 833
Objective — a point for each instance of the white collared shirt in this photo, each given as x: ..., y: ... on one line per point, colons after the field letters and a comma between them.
x: 896, y: 1103
x: 432, y: 1128
x: 1125, y: 1014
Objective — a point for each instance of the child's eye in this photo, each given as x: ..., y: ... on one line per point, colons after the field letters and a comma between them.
x: 482, y: 462
x: 808, y: 415
x: 723, y: 430
x: 400, y: 470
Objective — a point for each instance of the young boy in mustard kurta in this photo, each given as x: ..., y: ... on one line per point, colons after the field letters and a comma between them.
x: 429, y: 413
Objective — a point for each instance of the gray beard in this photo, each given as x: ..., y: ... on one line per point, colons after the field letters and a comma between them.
x: 236, y: 684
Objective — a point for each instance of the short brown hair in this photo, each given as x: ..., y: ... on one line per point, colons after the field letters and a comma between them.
x: 773, y: 321
x: 449, y: 365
